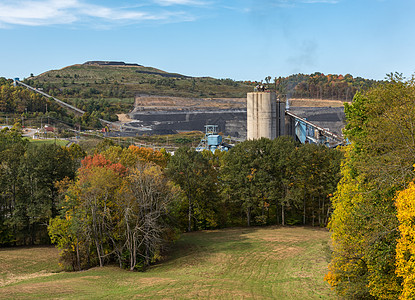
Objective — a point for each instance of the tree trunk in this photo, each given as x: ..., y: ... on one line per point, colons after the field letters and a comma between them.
x: 328, y: 215
x: 304, y: 211
x: 190, y: 216
x: 277, y: 214
x: 98, y: 253
x: 78, y: 261
x: 282, y: 215
x: 248, y: 216
x: 319, y: 211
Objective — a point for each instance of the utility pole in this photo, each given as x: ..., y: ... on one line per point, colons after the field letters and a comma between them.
x: 47, y: 115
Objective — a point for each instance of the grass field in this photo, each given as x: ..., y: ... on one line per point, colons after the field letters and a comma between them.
x: 50, y: 141
x: 239, y: 263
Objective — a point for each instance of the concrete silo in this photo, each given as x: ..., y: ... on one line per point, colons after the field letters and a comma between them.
x: 265, y: 116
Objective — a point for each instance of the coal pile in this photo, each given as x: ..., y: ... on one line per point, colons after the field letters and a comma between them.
x: 230, y: 122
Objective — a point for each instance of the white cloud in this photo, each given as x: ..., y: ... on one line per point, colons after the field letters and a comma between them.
x: 321, y: 1
x: 179, y: 2
x: 291, y: 3
x: 37, y: 12
x: 52, y: 12
x: 268, y: 5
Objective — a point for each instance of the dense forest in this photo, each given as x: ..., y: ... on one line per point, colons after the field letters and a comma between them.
x: 28, y: 191
x: 124, y: 205
x: 374, y: 205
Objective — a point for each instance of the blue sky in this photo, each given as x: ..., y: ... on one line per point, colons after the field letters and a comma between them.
x: 238, y: 39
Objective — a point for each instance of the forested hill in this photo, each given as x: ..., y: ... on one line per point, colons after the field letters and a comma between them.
x: 98, y: 80
x: 321, y: 86
x: 120, y: 80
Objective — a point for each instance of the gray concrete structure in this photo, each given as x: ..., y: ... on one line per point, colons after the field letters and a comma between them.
x: 281, y: 118
x: 265, y: 116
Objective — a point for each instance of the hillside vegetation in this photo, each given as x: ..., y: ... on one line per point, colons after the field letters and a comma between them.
x: 258, y: 263
x: 114, y: 82
x: 85, y: 81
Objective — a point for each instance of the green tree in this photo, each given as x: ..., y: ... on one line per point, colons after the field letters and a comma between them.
x: 348, y: 268
x: 28, y: 196
x: 12, y: 150
x: 317, y: 174
x: 245, y: 177
x: 380, y: 124
x: 259, y: 173
x: 197, y: 179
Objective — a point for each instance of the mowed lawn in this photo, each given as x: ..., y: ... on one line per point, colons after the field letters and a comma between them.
x: 58, y: 142
x: 238, y: 263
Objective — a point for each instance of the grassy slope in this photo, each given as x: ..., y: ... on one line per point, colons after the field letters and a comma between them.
x: 135, y: 81
x: 250, y: 263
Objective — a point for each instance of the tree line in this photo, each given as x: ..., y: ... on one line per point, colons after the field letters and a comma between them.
x: 372, y: 225
x: 124, y: 205
x: 320, y: 86
x: 18, y: 101
x: 28, y: 191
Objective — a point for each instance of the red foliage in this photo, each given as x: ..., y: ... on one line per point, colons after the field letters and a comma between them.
x: 98, y: 160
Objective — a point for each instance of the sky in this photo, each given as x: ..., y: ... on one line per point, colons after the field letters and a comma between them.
x: 237, y: 39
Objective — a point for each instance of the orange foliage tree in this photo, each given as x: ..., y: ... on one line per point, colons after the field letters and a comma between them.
x: 133, y: 155
x: 114, y: 212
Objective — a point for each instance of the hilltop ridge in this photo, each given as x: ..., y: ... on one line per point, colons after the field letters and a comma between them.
x: 110, y: 63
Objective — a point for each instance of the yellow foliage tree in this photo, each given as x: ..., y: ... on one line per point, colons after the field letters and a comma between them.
x: 405, y: 249
x: 133, y: 155
x: 347, y: 270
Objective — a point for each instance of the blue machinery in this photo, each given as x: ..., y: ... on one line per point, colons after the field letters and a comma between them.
x: 212, y: 140
x: 307, y: 132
